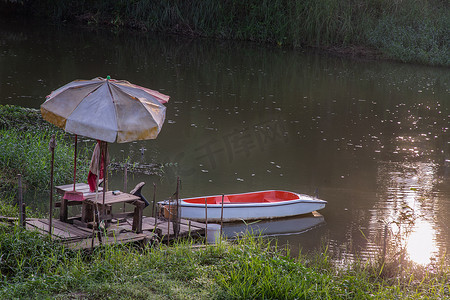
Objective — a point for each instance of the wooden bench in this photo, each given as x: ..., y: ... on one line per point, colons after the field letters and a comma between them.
x: 91, y: 202
x: 134, y: 198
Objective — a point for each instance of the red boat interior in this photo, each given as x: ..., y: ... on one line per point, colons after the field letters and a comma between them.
x: 257, y: 197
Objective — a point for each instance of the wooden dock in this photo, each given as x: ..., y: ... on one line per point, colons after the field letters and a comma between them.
x: 119, y: 232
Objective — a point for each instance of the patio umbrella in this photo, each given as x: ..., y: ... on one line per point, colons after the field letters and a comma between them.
x: 107, y: 110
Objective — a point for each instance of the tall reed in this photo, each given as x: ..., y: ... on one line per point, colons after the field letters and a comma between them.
x: 409, y: 30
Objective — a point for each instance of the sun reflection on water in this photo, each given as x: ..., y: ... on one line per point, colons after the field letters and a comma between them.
x: 410, y: 209
x: 421, y: 243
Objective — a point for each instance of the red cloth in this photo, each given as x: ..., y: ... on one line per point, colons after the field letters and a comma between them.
x: 92, y: 177
x: 92, y: 181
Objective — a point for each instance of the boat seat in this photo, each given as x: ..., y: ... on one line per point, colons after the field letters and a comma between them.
x: 270, y: 199
x: 225, y: 200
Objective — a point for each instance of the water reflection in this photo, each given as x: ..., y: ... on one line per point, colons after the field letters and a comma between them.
x: 410, y: 209
x: 421, y: 243
x: 284, y: 226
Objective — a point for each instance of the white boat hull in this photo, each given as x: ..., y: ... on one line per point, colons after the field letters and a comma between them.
x: 249, y: 211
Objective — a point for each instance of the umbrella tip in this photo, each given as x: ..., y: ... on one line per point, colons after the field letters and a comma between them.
x: 108, y: 77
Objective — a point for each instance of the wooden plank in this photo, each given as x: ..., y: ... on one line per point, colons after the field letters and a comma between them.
x: 36, y: 225
x: 126, y: 226
x: 150, y: 221
x: 61, y: 232
x: 79, y: 187
x: 74, y: 218
x: 56, y: 233
x: 122, y: 215
x: 8, y: 219
x: 148, y: 224
x: 74, y: 232
x: 69, y: 203
x: 184, y: 230
x: 77, y: 237
x: 166, y: 231
x: 72, y: 229
x: 80, y: 223
x: 127, y: 237
x: 193, y: 223
x: 69, y: 187
x: 110, y: 198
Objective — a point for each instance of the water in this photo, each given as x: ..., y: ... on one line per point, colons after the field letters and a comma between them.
x: 371, y: 137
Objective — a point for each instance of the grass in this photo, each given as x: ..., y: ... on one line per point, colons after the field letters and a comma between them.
x: 24, y: 119
x: 36, y: 167
x: 27, y: 153
x: 24, y: 138
x: 7, y: 208
x: 409, y: 30
x: 34, y: 267
x: 420, y: 34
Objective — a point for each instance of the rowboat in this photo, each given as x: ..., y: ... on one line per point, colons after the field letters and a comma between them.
x: 260, y: 205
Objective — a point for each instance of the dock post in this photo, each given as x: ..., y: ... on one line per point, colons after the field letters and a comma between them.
x: 51, y: 146
x: 168, y: 222
x: 23, y: 216
x: 137, y: 219
x: 206, y: 221
x: 19, y: 195
x: 154, y: 205
x: 125, y: 181
x: 176, y: 224
x: 221, y: 216
x: 189, y: 228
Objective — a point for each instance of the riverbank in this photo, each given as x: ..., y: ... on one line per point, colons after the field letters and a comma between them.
x: 34, y: 267
x: 407, y: 31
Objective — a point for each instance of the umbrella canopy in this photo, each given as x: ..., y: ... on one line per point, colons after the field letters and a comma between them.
x: 106, y: 109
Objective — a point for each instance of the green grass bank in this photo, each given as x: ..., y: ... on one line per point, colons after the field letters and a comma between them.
x: 410, y: 30
x: 34, y: 267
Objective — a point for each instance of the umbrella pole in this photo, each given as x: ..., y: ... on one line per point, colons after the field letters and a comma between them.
x: 105, y: 177
x: 96, y: 210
